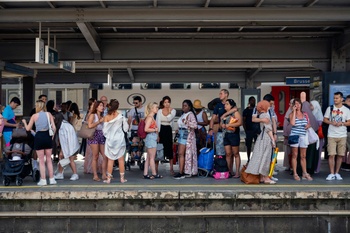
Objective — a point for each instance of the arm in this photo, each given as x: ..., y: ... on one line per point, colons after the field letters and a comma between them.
x: 52, y: 122
x: 31, y: 122
x: 91, y: 123
x: 233, y: 110
x: 205, y: 120
x: 260, y: 120
x: 211, y: 124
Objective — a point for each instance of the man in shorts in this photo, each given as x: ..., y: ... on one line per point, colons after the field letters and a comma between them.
x: 217, y: 114
x: 338, y: 118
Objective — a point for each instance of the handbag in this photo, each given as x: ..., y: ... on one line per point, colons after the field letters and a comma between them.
x: 160, y: 152
x: 320, y: 132
x: 85, y: 131
x: 248, y: 178
x: 293, y: 139
x: 19, y: 133
x: 312, y: 137
x: 51, y: 133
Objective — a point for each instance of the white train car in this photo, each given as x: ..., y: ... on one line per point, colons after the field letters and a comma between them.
x: 124, y: 93
x: 178, y: 92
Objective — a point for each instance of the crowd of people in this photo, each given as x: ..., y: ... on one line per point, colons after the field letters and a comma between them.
x: 55, y: 132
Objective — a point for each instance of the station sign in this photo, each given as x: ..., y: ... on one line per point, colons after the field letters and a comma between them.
x: 68, y: 65
x: 299, y: 81
x: 39, y: 50
x: 51, y: 56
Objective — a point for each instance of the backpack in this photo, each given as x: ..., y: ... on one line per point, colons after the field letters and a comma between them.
x: 141, y: 130
x: 220, y: 168
x: 256, y: 126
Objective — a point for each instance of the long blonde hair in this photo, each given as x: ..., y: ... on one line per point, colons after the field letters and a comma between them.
x: 40, y: 106
x: 149, y: 107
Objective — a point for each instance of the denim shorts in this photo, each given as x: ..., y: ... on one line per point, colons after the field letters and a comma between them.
x: 151, y: 140
x: 220, y: 149
x: 183, y: 134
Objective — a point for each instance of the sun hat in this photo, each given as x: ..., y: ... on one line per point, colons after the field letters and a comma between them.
x: 197, y: 104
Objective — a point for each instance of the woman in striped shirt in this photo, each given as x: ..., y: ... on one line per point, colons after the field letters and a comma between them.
x: 299, y: 122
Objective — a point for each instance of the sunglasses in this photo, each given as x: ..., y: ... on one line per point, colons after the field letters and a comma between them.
x: 135, y: 102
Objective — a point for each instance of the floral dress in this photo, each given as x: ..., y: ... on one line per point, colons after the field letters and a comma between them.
x: 191, y: 164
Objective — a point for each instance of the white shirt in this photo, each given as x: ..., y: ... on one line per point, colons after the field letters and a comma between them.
x: 338, y: 115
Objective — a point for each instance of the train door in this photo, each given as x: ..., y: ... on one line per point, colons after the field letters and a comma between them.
x: 282, y: 98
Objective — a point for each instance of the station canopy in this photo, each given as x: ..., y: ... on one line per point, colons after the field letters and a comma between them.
x: 176, y: 40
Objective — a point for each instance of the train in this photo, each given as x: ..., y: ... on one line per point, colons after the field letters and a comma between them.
x: 153, y: 92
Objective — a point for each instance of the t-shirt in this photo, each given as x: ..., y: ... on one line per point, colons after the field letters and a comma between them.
x: 132, y: 114
x: 8, y: 113
x: 219, y: 110
x: 347, y: 127
x: 341, y: 114
x: 249, y: 124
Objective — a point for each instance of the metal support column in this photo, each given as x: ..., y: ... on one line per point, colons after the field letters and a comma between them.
x: 28, y: 95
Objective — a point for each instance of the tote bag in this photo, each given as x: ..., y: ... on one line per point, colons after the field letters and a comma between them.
x: 85, y: 131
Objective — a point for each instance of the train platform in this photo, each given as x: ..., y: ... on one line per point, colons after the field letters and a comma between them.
x: 136, y: 181
x: 195, y: 204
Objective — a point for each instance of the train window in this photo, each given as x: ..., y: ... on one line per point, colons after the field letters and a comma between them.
x: 281, y: 103
x: 146, y: 86
x: 121, y: 86
x: 209, y: 85
x: 233, y: 86
x: 180, y: 85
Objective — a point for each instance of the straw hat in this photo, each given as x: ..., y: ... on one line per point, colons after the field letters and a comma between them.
x: 197, y: 104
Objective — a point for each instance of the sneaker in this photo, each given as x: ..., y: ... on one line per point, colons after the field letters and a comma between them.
x: 338, y: 177
x: 42, y: 182
x: 59, y: 176
x: 274, y: 178
x: 74, y: 177
x: 179, y: 176
x: 53, y: 181
x: 331, y: 177
x: 188, y: 175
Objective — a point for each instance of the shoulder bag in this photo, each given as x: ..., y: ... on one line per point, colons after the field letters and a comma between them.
x: 51, y: 133
x: 85, y: 131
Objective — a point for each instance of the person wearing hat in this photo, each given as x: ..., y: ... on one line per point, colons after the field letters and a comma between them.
x: 10, y: 119
x: 202, y: 121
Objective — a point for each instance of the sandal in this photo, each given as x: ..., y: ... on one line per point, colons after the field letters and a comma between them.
x: 157, y: 176
x: 108, y: 179
x: 148, y: 177
x: 172, y: 173
x: 296, y: 177
x: 96, y: 179
x: 307, y: 177
x: 122, y: 178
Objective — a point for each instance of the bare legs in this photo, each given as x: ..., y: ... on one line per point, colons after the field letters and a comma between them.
x: 150, y: 161
x: 233, y: 152
x: 96, y: 149
x: 42, y: 154
x: 181, y: 152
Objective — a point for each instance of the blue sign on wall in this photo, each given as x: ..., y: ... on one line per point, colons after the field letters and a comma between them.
x: 344, y: 88
x: 302, y: 81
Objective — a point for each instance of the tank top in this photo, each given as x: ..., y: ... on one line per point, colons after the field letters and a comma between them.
x: 299, y: 127
x: 163, y: 119
x: 41, y: 124
x: 99, y: 126
x: 200, y: 119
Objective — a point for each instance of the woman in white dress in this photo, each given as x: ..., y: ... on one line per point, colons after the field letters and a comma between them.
x: 115, y: 145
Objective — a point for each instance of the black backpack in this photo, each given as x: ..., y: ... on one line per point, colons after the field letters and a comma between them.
x: 220, y: 164
x: 256, y: 126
